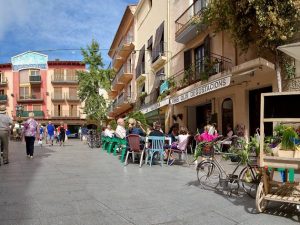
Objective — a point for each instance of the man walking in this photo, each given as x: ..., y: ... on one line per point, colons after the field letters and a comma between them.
x: 5, y: 122
x: 50, y: 132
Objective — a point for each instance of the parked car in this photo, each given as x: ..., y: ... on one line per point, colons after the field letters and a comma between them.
x: 74, y: 135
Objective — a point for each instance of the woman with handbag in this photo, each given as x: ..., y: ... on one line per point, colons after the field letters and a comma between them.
x: 31, y: 132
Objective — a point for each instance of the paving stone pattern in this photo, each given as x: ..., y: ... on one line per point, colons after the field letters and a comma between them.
x: 74, y: 185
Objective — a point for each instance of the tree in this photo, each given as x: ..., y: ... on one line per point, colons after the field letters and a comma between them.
x: 265, y: 24
x: 91, y: 81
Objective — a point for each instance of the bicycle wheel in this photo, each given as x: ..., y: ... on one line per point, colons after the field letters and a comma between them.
x: 250, y: 178
x: 208, y: 174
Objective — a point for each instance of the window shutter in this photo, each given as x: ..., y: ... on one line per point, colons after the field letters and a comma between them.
x: 207, y: 46
x: 139, y: 62
x: 158, y: 37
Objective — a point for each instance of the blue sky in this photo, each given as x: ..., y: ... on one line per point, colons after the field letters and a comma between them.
x: 58, y: 24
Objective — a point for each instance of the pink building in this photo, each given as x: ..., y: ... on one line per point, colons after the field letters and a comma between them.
x: 47, y: 88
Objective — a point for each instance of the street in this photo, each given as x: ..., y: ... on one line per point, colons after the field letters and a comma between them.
x: 77, y: 185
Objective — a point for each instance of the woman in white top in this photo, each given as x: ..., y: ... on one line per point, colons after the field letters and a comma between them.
x: 181, y: 144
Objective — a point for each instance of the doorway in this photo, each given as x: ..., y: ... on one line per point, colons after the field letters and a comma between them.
x: 227, y: 115
x: 254, y: 111
x: 203, y: 115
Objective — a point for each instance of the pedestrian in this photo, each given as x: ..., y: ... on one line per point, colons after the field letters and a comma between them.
x: 31, y: 128
x: 79, y: 133
x: 62, y: 134
x: 50, y: 132
x: 5, y: 130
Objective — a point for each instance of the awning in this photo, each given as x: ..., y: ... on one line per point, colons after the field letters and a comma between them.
x: 292, y: 50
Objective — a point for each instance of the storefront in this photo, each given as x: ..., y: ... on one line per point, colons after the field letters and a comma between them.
x: 227, y: 99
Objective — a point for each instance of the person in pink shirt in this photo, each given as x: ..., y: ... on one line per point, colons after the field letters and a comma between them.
x: 205, y: 136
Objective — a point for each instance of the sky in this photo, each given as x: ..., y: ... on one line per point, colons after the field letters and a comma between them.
x: 58, y: 24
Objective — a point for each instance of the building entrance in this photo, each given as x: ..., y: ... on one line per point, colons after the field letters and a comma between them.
x: 203, y: 115
x: 254, y: 111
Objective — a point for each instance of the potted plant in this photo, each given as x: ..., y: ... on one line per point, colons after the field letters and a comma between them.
x: 288, y: 145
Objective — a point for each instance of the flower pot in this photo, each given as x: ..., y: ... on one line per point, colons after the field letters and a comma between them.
x: 286, y: 153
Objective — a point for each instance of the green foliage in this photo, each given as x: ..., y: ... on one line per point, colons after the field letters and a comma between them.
x: 113, y: 124
x: 90, y: 81
x: 287, y: 139
x: 265, y: 23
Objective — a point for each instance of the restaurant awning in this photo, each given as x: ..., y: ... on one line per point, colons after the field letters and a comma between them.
x: 292, y: 50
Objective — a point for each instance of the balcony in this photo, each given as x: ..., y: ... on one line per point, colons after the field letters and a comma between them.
x: 123, y: 103
x: 36, y: 79
x: 126, y: 46
x: 72, y: 98
x: 141, y: 74
x: 3, y: 82
x: 62, y: 79
x: 65, y: 114
x: 3, y: 98
x: 58, y: 97
x: 186, y: 29
x: 159, y: 59
x: 37, y: 114
x: 201, y: 70
x: 117, y: 62
x: 30, y: 98
x: 124, y: 75
x: 150, y: 99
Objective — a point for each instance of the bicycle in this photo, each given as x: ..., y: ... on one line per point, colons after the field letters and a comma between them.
x: 212, y: 174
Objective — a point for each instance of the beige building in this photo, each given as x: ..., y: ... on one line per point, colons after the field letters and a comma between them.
x: 183, y: 73
x: 121, y: 51
x: 149, y: 55
x: 214, y: 82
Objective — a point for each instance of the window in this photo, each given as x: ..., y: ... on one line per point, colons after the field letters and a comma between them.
x: 34, y: 73
x: 24, y: 92
x: 73, y: 92
x: 227, y: 115
x: 1, y: 92
x: 2, y: 79
x: 199, y: 61
x: 37, y: 107
x: 24, y: 76
x: 58, y: 74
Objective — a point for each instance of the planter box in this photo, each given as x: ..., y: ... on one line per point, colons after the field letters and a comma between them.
x: 297, y: 154
x: 286, y: 153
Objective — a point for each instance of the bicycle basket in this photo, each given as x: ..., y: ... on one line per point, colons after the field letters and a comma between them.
x: 208, y: 149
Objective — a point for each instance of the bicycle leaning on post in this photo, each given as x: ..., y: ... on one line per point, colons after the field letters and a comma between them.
x: 211, y: 174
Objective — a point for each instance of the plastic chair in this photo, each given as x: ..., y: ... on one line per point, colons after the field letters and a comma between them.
x: 156, y: 146
x: 134, y: 147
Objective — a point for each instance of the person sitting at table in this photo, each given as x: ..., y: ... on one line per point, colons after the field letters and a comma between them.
x: 156, y: 130
x: 180, y: 144
x: 135, y: 127
x: 120, y: 130
x: 205, y: 136
x: 173, y: 132
x: 108, y: 132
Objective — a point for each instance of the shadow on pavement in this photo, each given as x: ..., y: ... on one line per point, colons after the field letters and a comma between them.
x: 242, y: 199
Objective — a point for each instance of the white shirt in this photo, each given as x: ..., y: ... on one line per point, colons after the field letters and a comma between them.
x: 120, y: 132
x: 108, y: 133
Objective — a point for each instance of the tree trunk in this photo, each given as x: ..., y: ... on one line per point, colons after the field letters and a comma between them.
x: 278, y: 73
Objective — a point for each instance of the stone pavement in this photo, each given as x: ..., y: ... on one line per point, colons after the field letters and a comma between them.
x: 75, y: 185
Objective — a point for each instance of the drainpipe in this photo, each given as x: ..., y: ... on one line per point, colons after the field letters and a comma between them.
x: 167, y: 125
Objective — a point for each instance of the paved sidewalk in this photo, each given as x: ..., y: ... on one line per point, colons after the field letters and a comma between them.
x: 74, y: 185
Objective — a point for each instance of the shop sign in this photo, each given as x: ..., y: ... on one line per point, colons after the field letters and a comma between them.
x: 156, y: 106
x: 29, y: 60
x: 203, y: 89
x: 163, y: 87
